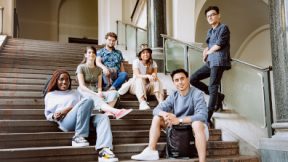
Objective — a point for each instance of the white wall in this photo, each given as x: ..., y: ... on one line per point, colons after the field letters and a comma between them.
x: 109, y: 11
x: 184, y: 20
x: 8, y: 15
x: 256, y: 49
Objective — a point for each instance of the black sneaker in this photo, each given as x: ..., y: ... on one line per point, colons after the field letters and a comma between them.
x: 78, y: 141
x: 219, y: 103
x: 106, y: 155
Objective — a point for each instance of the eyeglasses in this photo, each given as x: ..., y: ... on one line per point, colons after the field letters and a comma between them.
x: 212, y: 15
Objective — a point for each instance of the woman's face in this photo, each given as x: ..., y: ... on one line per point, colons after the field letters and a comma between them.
x: 90, y: 55
x: 145, y: 55
x: 63, y: 82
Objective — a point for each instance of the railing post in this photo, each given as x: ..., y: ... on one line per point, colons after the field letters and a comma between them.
x: 268, y: 102
x: 117, y: 30
x: 136, y: 29
x: 164, y: 56
x: 2, y: 13
x: 126, y: 37
x: 186, y: 61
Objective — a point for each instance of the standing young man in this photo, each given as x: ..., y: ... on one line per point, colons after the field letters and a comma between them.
x: 110, y: 60
x: 184, y: 106
x: 217, y: 59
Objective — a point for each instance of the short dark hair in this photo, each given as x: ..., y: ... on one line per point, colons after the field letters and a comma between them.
x: 111, y: 34
x: 179, y: 71
x: 215, y: 8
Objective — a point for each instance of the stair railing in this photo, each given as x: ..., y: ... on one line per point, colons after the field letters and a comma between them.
x: 247, y: 87
x: 130, y: 36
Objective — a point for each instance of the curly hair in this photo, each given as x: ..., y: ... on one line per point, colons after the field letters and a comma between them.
x: 111, y: 34
x: 52, y: 86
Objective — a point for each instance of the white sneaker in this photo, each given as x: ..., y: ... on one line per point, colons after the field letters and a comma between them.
x: 146, y: 154
x: 78, y: 141
x: 144, y: 106
x: 106, y: 155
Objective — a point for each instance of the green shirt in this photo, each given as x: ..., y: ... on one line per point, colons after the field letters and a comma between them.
x: 90, y: 76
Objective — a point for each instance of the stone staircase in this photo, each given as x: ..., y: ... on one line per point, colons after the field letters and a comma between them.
x: 25, y: 135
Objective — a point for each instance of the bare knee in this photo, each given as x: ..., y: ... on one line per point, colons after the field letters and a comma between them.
x: 157, y: 121
x: 200, y: 129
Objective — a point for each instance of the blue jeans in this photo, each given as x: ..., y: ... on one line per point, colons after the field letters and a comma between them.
x: 78, y: 118
x: 121, y: 78
x: 215, y: 74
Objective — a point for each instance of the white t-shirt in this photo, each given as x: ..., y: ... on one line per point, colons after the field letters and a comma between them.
x: 137, y: 64
x: 58, y: 100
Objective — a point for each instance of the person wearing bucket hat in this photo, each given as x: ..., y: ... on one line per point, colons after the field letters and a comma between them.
x: 145, y: 81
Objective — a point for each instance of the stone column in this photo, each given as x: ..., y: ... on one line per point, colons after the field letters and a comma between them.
x: 156, y: 23
x: 109, y: 11
x: 276, y: 148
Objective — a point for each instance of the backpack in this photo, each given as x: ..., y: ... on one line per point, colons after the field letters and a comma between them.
x: 180, y: 142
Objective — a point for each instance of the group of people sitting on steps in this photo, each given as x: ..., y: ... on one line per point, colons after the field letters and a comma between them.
x: 72, y: 109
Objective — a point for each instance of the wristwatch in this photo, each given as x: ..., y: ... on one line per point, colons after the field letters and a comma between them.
x: 180, y: 121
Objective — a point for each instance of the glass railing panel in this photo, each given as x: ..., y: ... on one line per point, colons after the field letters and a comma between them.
x: 131, y: 38
x: 141, y: 37
x: 244, y: 93
x: 121, y: 33
x: 195, y: 61
x: 174, y: 55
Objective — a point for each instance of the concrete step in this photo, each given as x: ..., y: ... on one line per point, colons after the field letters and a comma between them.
x: 123, y: 151
x: 213, y: 159
x: 38, y: 114
x: 13, y: 51
x: 32, y: 61
x: 26, y: 88
x: 52, y: 58
x: 30, y: 71
x: 36, y: 67
x: 29, y: 126
x: 49, y: 139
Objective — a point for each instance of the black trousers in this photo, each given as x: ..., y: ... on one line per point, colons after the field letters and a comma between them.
x: 215, y: 74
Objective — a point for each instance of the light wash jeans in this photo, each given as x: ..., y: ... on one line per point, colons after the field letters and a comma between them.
x: 78, y: 119
x: 121, y: 78
x: 98, y: 102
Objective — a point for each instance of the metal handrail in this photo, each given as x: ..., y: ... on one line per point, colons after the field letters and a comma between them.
x: 134, y: 10
x: 196, y: 47
x: 132, y: 25
x: 2, y: 16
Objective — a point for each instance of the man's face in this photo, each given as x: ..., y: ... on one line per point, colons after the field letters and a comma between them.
x: 213, y: 17
x: 110, y: 42
x: 181, y: 81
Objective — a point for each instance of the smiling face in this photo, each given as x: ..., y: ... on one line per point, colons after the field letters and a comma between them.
x: 181, y: 81
x: 63, y: 82
x: 213, y: 17
x: 90, y: 54
x: 145, y: 55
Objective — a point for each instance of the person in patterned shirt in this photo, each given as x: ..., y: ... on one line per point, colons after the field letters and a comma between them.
x: 110, y: 60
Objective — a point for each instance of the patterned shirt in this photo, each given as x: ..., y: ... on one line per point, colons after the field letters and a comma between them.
x: 111, y: 59
x: 219, y: 36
